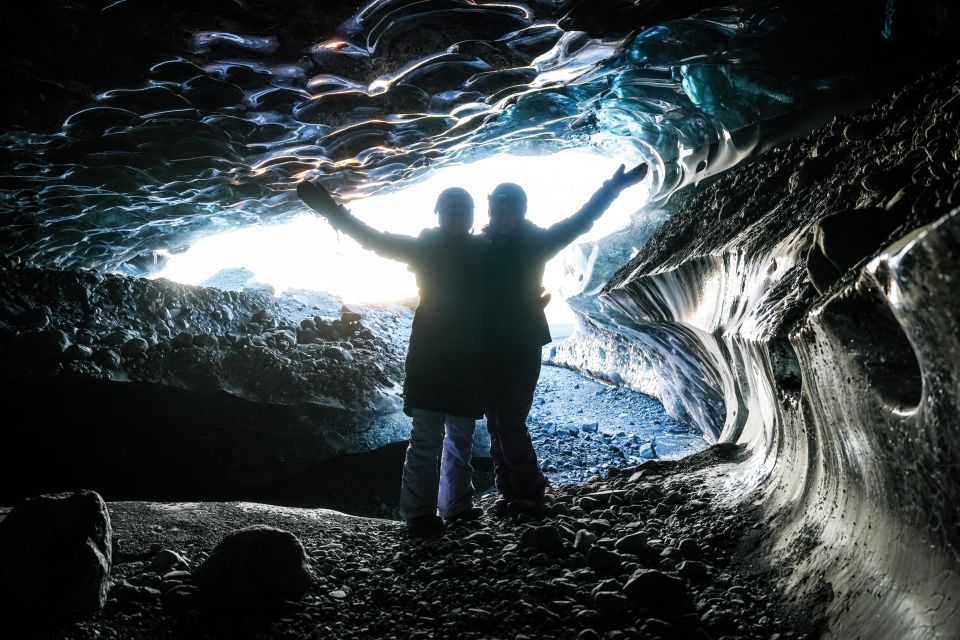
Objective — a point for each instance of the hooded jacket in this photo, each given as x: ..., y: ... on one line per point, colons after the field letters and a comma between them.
x: 515, y: 324
x: 443, y: 359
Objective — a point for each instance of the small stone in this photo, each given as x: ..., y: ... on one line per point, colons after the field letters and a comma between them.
x: 584, y: 539
x: 180, y: 597
x: 590, y: 427
x: 134, y: 347
x: 655, y: 627
x: 78, y: 352
x: 545, y: 538
x: 205, y: 340
x: 689, y: 547
x: 634, y: 543
x: 182, y: 340
x: 52, y: 343
x: 107, y: 358
x: 651, y: 584
x: 307, y: 336
x: 692, y: 568
x: 603, y: 560
x: 166, y: 561
x: 610, y: 601
x: 337, y: 354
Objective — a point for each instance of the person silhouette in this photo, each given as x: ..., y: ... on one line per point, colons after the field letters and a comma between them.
x: 441, y: 390
x: 515, y: 327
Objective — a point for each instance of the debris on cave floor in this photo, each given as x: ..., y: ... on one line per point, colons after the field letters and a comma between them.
x: 581, y: 427
x: 648, y: 551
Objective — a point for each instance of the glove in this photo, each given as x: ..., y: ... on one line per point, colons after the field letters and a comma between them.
x: 544, y: 298
x: 621, y: 180
x: 319, y: 199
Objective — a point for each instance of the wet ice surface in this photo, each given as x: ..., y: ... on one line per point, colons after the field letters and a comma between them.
x: 581, y: 427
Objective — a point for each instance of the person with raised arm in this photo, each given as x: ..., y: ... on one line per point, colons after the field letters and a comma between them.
x: 441, y: 390
x: 515, y: 327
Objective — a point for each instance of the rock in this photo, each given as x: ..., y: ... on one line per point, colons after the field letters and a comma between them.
x: 261, y: 315
x: 588, y: 503
x: 180, y: 597
x: 348, y: 315
x: 182, y: 340
x: 634, y: 543
x: 862, y: 130
x: 107, y: 358
x: 692, y: 568
x: 117, y: 338
x: 603, y: 560
x: 689, y: 548
x: 255, y: 566
x: 134, y: 347
x: 306, y: 336
x: 78, y: 352
x: 51, y: 343
x: 546, y: 538
x: 167, y: 561
x: 205, y: 340
x: 847, y: 237
x: 55, y: 554
x: 821, y: 272
x: 610, y: 601
x: 890, y: 179
x: 654, y: 627
x: 590, y: 427
x: 127, y: 593
x: 584, y: 539
x: 336, y: 353
x: 651, y: 584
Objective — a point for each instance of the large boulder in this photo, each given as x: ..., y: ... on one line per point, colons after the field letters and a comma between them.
x: 55, y: 554
x: 254, y: 567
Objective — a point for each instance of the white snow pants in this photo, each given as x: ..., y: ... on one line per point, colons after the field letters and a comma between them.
x: 434, y: 432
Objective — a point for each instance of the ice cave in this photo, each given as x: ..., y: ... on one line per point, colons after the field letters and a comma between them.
x: 745, y: 421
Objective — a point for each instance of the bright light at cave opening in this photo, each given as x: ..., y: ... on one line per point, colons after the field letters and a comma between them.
x: 306, y: 253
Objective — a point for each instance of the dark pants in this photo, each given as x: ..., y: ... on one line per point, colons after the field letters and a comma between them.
x: 509, y: 389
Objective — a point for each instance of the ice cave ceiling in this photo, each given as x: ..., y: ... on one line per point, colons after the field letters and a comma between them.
x: 209, y: 123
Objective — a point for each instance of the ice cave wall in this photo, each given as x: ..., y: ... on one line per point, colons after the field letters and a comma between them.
x: 843, y: 390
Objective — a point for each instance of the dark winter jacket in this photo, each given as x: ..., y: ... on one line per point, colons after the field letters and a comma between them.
x: 515, y: 323
x: 443, y: 360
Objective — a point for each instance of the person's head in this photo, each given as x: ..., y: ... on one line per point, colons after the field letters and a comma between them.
x: 508, y: 206
x: 455, y: 210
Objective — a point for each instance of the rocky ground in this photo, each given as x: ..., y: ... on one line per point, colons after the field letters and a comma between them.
x: 646, y: 552
x: 581, y: 427
x: 301, y: 347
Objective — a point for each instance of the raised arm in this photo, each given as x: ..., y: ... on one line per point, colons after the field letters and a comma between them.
x: 566, y: 231
x: 389, y: 245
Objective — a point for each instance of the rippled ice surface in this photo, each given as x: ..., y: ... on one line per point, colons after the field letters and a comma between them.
x: 216, y: 137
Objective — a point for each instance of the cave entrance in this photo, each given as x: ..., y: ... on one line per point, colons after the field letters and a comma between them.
x: 304, y: 252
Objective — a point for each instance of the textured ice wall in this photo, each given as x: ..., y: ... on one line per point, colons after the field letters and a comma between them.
x: 216, y: 137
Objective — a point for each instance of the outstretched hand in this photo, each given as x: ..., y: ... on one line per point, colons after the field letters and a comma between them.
x: 621, y: 179
x: 319, y: 199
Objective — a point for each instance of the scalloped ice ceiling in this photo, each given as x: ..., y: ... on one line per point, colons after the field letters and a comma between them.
x: 217, y: 137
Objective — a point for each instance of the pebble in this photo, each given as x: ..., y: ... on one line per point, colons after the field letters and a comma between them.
x: 652, y: 584
x: 134, y: 347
